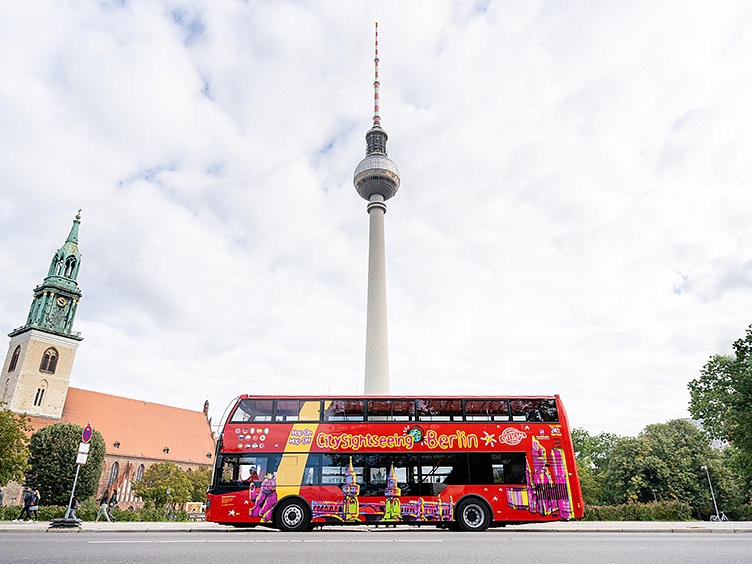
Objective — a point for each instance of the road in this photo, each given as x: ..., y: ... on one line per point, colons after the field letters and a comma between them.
x: 375, y: 547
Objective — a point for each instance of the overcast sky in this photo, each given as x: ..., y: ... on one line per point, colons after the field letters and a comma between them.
x: 574, y: 215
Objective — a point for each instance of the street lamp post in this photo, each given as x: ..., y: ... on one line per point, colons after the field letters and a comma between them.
x: 717, y: 515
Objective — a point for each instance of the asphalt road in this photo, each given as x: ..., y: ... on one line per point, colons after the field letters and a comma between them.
x: 375, y: 547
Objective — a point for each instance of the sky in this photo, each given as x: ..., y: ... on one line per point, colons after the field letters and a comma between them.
x: 573, y: 218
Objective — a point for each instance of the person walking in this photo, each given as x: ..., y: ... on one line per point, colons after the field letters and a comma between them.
x: 2, y: 495
x: 103, y: 501
x: 112, y: 503
x: 34, y: 508
x: 71, y: 513
x: 26, y: 505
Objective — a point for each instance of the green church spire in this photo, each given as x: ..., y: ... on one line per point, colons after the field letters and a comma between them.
x: 53, y: 308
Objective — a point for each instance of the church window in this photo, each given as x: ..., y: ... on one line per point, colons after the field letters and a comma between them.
x: 39, y: 398
x: 113, y: 473
x: 49, y: 361
x: 140, y: 473
x: 14, y: 359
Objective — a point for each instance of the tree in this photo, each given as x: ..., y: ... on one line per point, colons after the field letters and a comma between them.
x: 14, y: 453
x: 160, y: 476
x: 721, y: 398
x: 52, y: 463
x: 664, y: 462
x: 592, y: 453
x: 199, y: 483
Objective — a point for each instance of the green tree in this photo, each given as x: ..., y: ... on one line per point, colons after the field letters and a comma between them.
x: 664, y: 462
x: 160, y: 476
x: 592, y: 453
x: 721, y: 398
x: 14, y: 453
x: 52, y: 463
x: 199, y: 483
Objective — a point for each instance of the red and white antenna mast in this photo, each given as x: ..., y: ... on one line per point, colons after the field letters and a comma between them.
x: 376, y: 116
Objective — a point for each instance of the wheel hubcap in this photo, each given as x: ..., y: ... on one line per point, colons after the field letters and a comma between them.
x: 473, y: 516
x: 292, y: 516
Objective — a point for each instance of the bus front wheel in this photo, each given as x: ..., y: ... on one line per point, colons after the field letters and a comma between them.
x: 472, y: 515
x: 292, y: 516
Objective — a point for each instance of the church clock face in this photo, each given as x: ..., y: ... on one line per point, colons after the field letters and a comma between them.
x: 61, y: 301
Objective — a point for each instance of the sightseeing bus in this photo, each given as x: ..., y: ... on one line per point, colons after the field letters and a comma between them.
x: 464, y: 463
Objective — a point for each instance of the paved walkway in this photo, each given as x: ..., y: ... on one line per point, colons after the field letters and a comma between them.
x: 557, y: 527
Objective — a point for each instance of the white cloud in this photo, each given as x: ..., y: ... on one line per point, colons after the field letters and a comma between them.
x: 572, y: 217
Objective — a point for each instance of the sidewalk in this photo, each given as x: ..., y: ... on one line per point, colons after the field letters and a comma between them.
x: 553, y: 527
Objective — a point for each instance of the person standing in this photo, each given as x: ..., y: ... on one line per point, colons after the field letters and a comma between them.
x: 26, y: 505
x: 2, y: 495
x: 34, y: 508
x: 103, y: 501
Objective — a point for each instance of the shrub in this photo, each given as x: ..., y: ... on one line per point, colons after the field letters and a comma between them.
x: 660, y: 511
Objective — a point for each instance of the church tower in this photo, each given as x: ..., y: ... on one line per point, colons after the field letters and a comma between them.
x: 37, y: 368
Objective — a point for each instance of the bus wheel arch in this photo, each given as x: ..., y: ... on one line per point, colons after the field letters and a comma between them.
x: 292, y: 514
x: 472, y: 513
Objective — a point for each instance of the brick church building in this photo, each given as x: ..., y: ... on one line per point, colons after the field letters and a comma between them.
x: 35, y: 380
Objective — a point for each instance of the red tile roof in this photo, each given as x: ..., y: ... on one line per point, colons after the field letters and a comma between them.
x: 143, y: 429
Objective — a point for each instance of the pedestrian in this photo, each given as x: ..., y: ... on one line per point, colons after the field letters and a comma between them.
x: 103, y: 506
x: 2, y: 495
x: 111, y: 505
x: 71, y: 513
x: 26, y: 505
x: 34, y: 508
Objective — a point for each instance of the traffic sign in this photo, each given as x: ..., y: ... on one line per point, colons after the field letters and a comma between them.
x: 86, y: 435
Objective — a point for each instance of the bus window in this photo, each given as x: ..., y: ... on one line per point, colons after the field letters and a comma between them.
x: 345, y: 410
x: 239, y: 471
x: 534, y: 410
x: 499, y: 410
x: 439, y: 409
x: 378, y: 468
x: 497, y: 468
x: 391, y: 410
x: 335, y: 469
x: 477, y: 410
x: 379, y: 410
x: 252, y: 410
x: 297, y: 410
x: 437, y: 471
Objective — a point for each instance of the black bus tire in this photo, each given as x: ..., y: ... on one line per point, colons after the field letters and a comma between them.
x: 472, y: 515
x: 292, y: 516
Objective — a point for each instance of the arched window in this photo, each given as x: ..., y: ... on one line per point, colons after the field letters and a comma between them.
x: 49, y: 361
x: 40, y: 393
x: 14, y: 359
x: 70, y: 266
x: 140, y: 473
x: 113, y: 473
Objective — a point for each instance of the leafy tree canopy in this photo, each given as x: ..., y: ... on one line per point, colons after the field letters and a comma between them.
x: 160, y: 476
x: 199, y: 482
x: 52, y: 463
x: 14, y: 453
x: 665, y: 462
x: 721, y: 398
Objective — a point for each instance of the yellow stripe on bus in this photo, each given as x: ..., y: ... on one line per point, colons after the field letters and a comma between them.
x: 290, y: 471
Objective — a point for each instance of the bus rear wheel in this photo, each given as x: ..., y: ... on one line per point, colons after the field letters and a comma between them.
x: 472, y: 515
x: 292, y: 516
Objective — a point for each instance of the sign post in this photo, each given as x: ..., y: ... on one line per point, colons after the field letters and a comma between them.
x: 83, y: 455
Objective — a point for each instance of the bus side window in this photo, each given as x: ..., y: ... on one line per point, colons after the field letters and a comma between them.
x: 252, y: 410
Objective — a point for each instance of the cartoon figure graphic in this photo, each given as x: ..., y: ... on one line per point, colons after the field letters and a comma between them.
x: 392, y: 509
x: 351, y: 489
x: 265, y: 498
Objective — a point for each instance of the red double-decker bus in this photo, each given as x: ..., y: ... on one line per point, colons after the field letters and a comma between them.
x: 467, y: 463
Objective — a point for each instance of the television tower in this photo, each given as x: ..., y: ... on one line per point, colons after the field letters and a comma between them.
x: 376, y: 179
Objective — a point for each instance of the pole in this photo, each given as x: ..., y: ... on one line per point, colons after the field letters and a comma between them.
x: 70, y: 501
x: 717, y: 515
